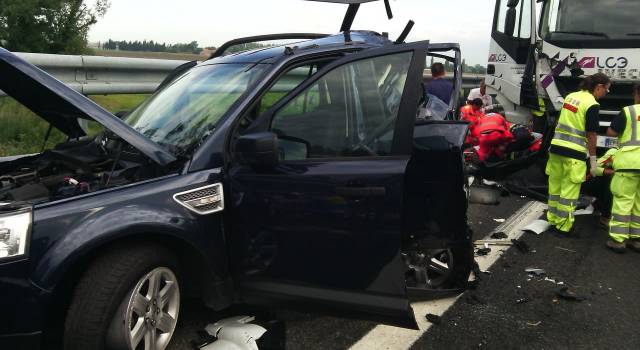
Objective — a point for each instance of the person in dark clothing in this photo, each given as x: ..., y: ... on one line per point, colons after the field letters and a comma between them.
x: 439, y: 86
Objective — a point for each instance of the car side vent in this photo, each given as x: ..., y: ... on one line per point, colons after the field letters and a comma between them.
x: 202, y: 200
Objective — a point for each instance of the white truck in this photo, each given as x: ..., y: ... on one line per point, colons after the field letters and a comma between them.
x: 541, y: 49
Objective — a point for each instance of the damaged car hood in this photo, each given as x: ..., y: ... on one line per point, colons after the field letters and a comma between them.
x: 61, y: 106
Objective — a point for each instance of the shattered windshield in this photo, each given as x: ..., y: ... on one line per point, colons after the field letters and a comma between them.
x: 593, y: 20
x: 181, y: 115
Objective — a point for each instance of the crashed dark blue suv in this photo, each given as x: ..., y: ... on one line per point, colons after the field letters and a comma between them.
x: 296, y: 174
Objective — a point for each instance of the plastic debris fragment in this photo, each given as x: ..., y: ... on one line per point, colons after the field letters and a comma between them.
x: 567, y: 294
x: 499, y: 235
x: 434, y: 319
x: 535, y: 271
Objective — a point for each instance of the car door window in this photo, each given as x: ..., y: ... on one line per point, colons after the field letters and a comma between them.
x: 353, y: 113
x: 287, y: 83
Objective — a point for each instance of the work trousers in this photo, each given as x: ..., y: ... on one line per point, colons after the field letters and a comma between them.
x: 566, y: 175
x: 625, y: 213
x: 600, y: 187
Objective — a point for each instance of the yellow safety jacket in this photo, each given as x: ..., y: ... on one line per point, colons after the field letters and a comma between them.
x: 571, y: 129
x: 541, y: 108
x: 628, y: 157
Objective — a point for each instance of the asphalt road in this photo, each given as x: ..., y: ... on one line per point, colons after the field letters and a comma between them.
x: 490, y: 316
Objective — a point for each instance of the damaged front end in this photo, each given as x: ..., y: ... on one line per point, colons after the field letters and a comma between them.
x: 72, y: 168
x: 118, y: 156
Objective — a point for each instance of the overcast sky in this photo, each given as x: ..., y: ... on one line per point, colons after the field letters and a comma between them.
x: 212, y: 22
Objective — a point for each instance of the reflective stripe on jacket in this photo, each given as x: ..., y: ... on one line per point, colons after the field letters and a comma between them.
x: 571, y: 129
x: 628, y: 157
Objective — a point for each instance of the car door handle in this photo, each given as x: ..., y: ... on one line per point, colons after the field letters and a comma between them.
x: 361, y: 191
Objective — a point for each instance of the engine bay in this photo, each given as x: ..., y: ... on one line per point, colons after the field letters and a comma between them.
x: 73, y: 168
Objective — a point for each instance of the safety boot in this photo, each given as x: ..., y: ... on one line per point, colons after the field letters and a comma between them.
x: 634, y: 244
x: 618, y: 247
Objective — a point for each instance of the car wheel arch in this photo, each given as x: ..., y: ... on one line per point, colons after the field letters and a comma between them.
x: 190, y: 260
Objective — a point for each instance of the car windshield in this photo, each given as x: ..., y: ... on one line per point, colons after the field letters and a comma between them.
x: 593, y: 20
x: 182, y: 114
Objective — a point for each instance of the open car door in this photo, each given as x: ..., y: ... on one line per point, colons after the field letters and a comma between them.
x: 323, y: 227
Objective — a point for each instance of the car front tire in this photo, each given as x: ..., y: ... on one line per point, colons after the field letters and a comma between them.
x: 128, y: 298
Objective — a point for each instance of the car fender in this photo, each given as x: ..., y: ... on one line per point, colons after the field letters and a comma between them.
x: 88, y: 223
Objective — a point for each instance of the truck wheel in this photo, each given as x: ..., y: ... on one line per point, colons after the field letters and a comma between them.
x: 129, y: 298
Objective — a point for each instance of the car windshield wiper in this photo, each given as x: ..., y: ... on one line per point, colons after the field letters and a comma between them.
x: 633, y: 34
x: 582, y: 33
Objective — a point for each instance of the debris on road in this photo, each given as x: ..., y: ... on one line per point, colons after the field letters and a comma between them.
x: 234, y: 333
x: 534, y: 324
x: 567, y: 294
x: 499, y: 220
x: 489, y: 182
x: 493, y: 242
x: 523, y: 300
x: 483, y: 251
x: 434, y: 319
x: 535, y: 271
x: 537, y: 226
x: 522, y: 246
x: 567, y: 250
x: 586, y: 211
x: 499, y: 235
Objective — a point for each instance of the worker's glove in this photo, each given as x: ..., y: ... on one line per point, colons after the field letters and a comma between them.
x: 593, y: 165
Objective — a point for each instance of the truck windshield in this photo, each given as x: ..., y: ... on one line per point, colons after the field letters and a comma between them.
x: 591, y: 20
x: 182, y: 114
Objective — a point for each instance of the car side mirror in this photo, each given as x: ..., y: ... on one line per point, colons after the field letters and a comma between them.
x: 258, y: 149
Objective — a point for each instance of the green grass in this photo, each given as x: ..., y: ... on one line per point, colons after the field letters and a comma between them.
x: 23, y: 132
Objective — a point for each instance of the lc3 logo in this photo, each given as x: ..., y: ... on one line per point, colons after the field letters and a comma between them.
x: 601, y: 62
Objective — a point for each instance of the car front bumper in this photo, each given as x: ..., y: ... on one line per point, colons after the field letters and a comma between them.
x: 23, y: 307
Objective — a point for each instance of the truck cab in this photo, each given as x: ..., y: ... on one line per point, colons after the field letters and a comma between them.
x: 541, y: 49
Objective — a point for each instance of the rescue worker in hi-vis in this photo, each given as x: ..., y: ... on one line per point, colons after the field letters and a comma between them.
x: 624, y: 226
x: 574, y: 141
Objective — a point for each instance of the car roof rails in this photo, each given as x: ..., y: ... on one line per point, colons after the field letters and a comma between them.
x: 352, y: 10
x: 252, y: 39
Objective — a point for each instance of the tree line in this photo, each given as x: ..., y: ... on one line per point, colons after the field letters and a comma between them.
x: 476, y: 69
x: 50, y: 26
x: 152, y: 46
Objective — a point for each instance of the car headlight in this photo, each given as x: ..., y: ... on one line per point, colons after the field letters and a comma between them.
x: 14, y: 234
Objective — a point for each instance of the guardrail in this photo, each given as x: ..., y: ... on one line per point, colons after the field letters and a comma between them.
x: 97, y: 75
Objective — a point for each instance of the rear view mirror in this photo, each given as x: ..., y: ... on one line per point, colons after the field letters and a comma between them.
x: 258, y: 149
x: 510, y: 20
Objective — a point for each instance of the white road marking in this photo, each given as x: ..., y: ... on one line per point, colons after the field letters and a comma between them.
x: 388, y: 337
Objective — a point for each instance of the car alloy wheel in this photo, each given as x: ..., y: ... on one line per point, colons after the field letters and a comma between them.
x: 150, y: 313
